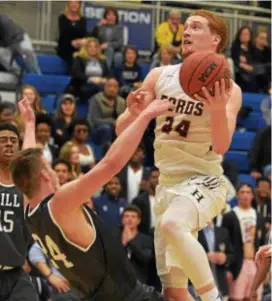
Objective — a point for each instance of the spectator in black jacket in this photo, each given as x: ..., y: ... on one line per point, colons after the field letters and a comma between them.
x: 72, y: 30
x: 43, y: 135
x: 260, y: 152
x: 243, y: 54
x: 262, y: 200
x: 89, y: 71
x: 263, y: 60
x: 15, y: 41
x: 138, y: 246
x: 129, y: 73
x: 65, y: 115
x: 216, y: 242
x: 146, y: 202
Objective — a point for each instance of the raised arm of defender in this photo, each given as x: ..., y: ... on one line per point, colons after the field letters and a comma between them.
x: 137, y: 101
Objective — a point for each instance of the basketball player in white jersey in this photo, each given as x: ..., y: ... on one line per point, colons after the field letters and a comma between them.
x: 190, y: 141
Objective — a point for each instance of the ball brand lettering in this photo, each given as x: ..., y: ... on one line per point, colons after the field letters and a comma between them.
x: 186, y: 107
x: 207, y: 72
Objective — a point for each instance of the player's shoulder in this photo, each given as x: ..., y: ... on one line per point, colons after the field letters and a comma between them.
x: 165, y: 71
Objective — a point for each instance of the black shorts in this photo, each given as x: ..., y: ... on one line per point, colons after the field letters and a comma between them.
x: 16, y: 285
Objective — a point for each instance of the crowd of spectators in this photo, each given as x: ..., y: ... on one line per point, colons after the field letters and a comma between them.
x: 103, y: 72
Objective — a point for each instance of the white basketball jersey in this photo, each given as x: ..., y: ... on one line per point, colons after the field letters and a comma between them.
x: 183, y: 144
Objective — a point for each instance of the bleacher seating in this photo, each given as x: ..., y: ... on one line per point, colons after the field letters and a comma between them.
x: 238, y: 159
x: 52, y: 64
x: 242, y: 140
x: 245, y: 178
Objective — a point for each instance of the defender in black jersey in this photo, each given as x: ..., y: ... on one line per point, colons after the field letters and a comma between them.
x: 15, y: 284
x: 75, y: 239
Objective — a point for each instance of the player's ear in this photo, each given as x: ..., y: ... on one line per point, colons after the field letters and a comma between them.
x: 216, y: 39
x: 45, y: 175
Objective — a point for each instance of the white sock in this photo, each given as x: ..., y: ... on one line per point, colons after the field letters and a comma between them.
x: 212, y: 295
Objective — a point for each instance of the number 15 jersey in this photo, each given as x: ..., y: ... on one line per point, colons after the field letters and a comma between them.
x: 183, y: 144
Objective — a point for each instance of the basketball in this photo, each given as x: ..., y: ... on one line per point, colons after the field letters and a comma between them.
x: 203, y: 69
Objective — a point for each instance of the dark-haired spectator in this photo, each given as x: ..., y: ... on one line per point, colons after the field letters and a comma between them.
x: 63, y: 169
x: 72, y: 29
x: 138, y: 246
x: 131, y: 176
x: 146, y: 202
x: 43, y: 135
x: 129, y: 73
x: 110, y: 34
x: 89, y: 70
x: 260, y: 152
x: 246, y: 230
x: 104, y: 108
x: 165, y: 56
x: 70, y: 153
x: 262, y: 200
x: 170, y: 32
x: 216, y: 243
x: 7, y: 111
x: 109, y: 205
x: 14, y: 41
x: 263, y: 61
x: 243, y: 54
x: 79, y: 131
x: 65, y: 115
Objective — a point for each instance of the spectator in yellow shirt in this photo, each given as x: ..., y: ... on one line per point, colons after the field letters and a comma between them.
x: 170, y: 32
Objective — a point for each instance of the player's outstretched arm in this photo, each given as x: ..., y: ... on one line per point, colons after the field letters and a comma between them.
x: 72, y: 195
x: 138, y: 100
x: 28, y: 116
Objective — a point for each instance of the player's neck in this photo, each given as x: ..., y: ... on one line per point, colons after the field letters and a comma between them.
x: 40, y: 196
x: 5, y: 175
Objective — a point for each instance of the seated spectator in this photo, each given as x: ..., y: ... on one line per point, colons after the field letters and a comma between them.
x: 131, y: 176
x: 89, y: 70
x: 170, y: 32
x: 79, y: 131
x: 65, y: 115
x: 263, y: 61
x: 129, y: 73
x: 243, y: 54
x: 165, y: 57
x: 109, y: 205
x: 216, y: 243
x: 72, y: 29
x: 43, y: 132
x: 260, y: 153
x: 262, y: 200
x: 138, y: 246
x: 7, y: 111
x: 246, y: 230
x: 63, y: 170
x: 104, y: 108
x: 14, y: 42
x: 110, y: 35
x: 70, y: 153
x: 146, y: 202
